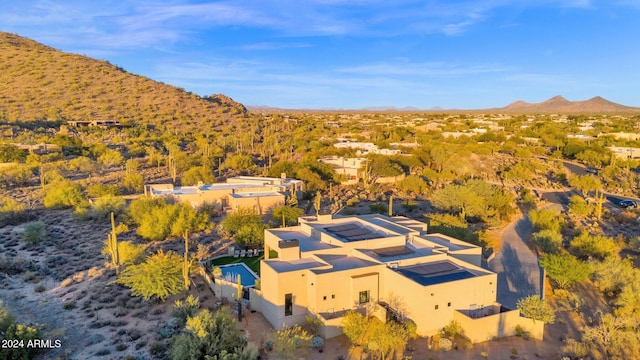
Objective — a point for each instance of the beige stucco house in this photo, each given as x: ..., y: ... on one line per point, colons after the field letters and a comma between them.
x: 327, y: 265
x: 260, y: 193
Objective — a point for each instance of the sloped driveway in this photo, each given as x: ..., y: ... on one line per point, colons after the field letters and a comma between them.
x: 516, y: 265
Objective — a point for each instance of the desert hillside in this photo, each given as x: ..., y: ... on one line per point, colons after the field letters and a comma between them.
x: 41, y: 83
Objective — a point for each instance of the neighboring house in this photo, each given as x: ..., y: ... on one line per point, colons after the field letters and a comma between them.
x: 622, y: 135
x: 625, y: 152
x: 352, y: 169
x: 365, y: 148
x: 327, y: 266
x: 349, y: 168
x: 261, y: 193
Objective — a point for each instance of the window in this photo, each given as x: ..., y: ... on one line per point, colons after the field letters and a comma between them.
x: 288, y: 304
x: 324, y: 298
x: 449, y: 304
x: 364, y: 297
x: 436, y: 307
x: 333, y: 296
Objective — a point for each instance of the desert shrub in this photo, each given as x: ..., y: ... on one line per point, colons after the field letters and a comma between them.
x: 10, y: 154
x: 546, y: 219
x: 565, y: 269
x: 411, y: 328
x: 34, y: 232
x: 317, y: 342
x: 63, y: 194
x: 354, y: 326
x: 133, y: 183
x: 579, y: 207
x: 159, y: 276
x: 185, y: 309
x: 15, y: 175
x: 198, y: 174
x: 536, y: 308
x: 128, y: 253
x: 452, y: 329
x: 575, y: 349
x: 102, y: 207
x: 378, y: 208
x: 634, y: 244
x: 548, y: 241
x: 290, y: 342
x: 157, y: 349
x: 453, y: 226
x: 413, y: 183
x: 69, y: 305
x: 597, y: 246
x: 25, y: 334
x: 100, y: 190
x: 10, y: 210
x: 312, y: 324
x: 209, y: 335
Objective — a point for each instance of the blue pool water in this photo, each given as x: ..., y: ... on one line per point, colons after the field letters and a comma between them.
x: 247, y: 276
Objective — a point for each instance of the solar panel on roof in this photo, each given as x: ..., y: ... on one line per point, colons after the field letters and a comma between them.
x: 434, y: 268
x: 354, y: 232
x: 344, y: 227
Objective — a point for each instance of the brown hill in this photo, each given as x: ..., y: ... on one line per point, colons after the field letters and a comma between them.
x: 558, y: 104
x: 40, y: 83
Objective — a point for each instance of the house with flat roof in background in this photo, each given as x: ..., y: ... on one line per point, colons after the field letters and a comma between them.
x: 327, y: 266
x: 260, y: 193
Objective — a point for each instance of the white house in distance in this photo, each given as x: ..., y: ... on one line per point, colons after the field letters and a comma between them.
x: 350, y: 168
x: 261, y: 193
x: 328, y: 265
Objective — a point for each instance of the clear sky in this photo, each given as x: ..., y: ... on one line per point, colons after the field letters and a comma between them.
x: 351, y: 54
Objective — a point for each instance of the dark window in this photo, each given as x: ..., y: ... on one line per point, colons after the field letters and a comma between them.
x: 324, y: 298
x: 364, y: 297
x: 333, y: 296
x: 288, y: 304
x: 436, y: 307
x: 449, y: 304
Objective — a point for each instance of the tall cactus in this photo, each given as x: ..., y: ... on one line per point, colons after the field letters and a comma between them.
x: 113, y: 245
x: 186, y: 264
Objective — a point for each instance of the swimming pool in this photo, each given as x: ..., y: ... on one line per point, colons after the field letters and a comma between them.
x: 247, y: 276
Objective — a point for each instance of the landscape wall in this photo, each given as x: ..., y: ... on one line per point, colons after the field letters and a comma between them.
x: 497, y: 325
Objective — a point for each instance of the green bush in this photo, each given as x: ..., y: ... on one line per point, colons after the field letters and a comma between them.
x: 34, y: 232
x: 548, y: 241
x: 63, y: 194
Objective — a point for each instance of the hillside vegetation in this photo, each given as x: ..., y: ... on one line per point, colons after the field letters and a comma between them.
x: 41, y: 83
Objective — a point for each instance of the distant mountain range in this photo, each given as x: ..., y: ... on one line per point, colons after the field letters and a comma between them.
x: 558, y: 104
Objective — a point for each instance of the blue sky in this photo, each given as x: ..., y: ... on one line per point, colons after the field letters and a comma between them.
x: 351, y: 54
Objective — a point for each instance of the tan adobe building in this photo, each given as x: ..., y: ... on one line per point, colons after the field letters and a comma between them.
x: 260, y: 193
x: 326, y: 266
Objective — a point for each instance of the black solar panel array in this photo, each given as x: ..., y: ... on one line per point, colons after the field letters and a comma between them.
x: 352, y: 232
x: 435, y: 268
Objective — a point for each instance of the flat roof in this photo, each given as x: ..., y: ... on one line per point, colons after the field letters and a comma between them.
x: 293, y: 265
x: 343, y: 262
x: 452, y: 244
x: 307, y: 243
x: 390, y: 225
x: 256, y: 194
x: 435, y: 273
x: 352, y: 232
x: 180, y: 190
x: 393, y: 251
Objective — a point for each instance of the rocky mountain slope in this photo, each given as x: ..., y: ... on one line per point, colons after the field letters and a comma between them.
x: 38, y: 82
